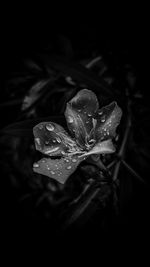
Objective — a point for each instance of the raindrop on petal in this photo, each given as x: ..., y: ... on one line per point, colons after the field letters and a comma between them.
x: 89, y: 115
x: 50, y: 127
x: 58, y: 139
x: 67, y: 160
x: 70, y: 119
x: 35, y: 165
x: 54, y: 141
x: 68, y: 168
x: 100, y: 113
x: 103, y: 119
x: 52, y: 172
x: 74, y: 160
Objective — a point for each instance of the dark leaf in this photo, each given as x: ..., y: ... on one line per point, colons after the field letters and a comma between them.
x: 25, y: 128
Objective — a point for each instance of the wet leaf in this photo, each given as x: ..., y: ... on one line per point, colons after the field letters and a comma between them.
x: 25, y: 128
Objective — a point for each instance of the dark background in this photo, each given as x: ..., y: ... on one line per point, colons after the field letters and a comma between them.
x: 126, y: 41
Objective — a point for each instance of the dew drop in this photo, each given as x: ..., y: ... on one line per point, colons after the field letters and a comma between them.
x: 89, y: 115
x: 52, y: 172
x: 68, y: 168
x: 103, y: 119
x: 58, y: 140
x: 54, y: 141
x: 35, y: 165
x: 70, y: 119
x: 74, y: 160
x: 50, y: 127
x: 67, y: 160
x: 100, y: 113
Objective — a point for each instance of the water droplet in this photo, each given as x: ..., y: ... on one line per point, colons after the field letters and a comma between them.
x: 70, y: 119
x: 107, y: 132
x: 87, y: 122
x: 100, y: 113
x: 89, y: 115
x: 52, y: 172
x: 67, y: 160
x: 35, y: 165
x: 103, y: 119
x: 69, y: 167
x: 74, y: 160
x: 79, y: 110
x: 58, y: 140
x: 43, y: 160
x: 37, y: 140
x: 54, y: 141
x: 50, y: 127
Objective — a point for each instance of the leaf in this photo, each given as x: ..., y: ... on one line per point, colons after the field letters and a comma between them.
x: 57, y: 169
x: 25, y: 128
x: 79, y: 115
x: 108, y: 118
x: 33, y: 94
x: 77, y: 72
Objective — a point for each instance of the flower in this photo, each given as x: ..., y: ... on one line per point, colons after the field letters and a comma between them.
x: 92, y: 130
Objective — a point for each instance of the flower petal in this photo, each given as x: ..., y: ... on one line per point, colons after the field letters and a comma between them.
x: 58, y: 169
x: 105, y: 147
x: 52, y: 139
x: 108, y: 118
x: 79, y: 114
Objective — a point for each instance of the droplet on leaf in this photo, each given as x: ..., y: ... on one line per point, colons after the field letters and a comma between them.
x: 52, y: 172
x: 74, y: 160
